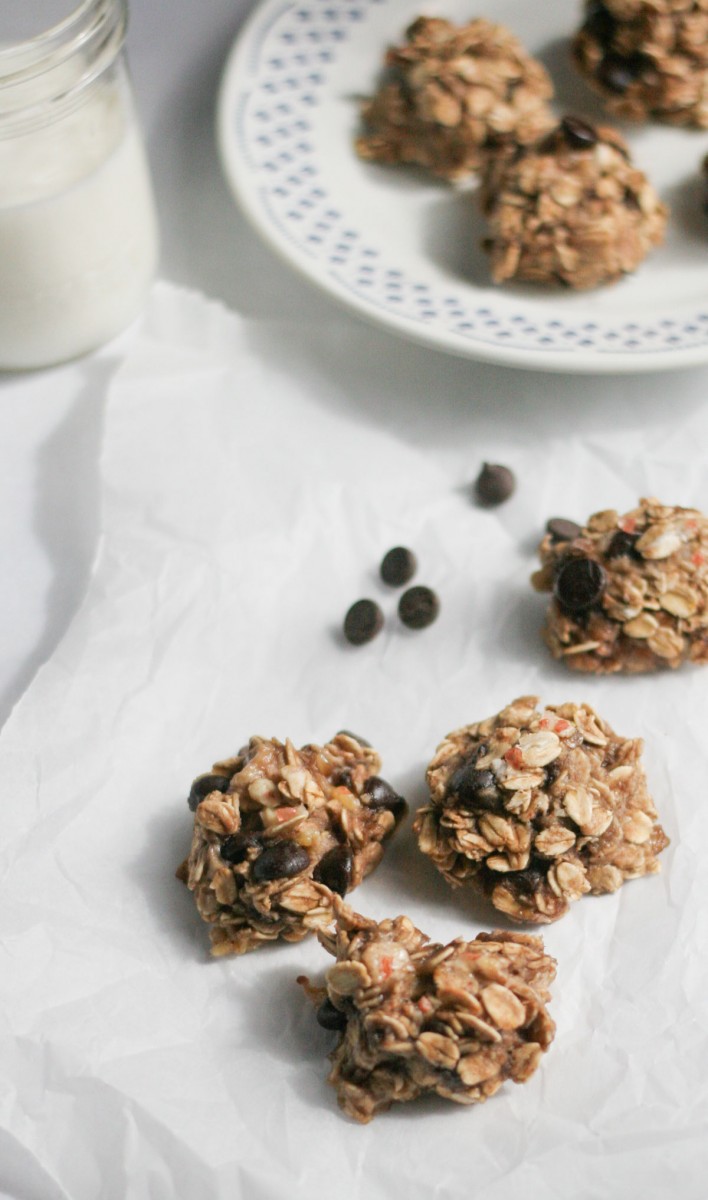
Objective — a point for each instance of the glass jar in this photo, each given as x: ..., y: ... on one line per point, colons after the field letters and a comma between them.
x: 78, y: 232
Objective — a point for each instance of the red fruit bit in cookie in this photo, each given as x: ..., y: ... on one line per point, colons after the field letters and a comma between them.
x: 627, y: 524
x: 544, y: 723
x: 515, y: 757
x: 561, y: 726
x: 424, y: 1005
x: 691, y: 525
x: 286, y: 814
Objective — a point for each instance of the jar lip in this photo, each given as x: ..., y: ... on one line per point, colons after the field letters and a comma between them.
x: 89, y: 38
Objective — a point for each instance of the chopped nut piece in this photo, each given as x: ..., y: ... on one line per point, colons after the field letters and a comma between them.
x: 451, y: 95
x: 647, y: 58
x: 652, y: 610
x: 546, y: 231
x: 587, y: 822
x: 288, y: 830
x: 418, y: 1030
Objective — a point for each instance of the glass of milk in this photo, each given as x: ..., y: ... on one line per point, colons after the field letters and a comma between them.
x: 78, y: 232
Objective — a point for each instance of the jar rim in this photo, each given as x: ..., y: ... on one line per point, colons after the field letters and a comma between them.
x: 91, y: 36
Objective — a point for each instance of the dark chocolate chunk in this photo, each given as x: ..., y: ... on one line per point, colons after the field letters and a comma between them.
x: 599, y: 23
x: 330, y: 1017
x: 623, y: 544
x: 281, y: 860
x: 334, y: 870
x: 235, y: 847
x: 342, y: 778
x: 562, y: 530
x: 398, y: 566
x: 379, y: 794
x: 579, y: 584
x: 578, y: 134
x: 418, y: 607
x: 494, y: 484
x: 617, y: 73
x: 203, y: 785
x: 362, y: 622
x: 474, y: 789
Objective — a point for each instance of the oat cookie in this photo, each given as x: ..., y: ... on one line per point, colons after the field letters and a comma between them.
x: 536, y: 807
x: 630, y: 593
x: 414, y: 1016
x: 647, y: 58
x: 451, y: 94
x: 278, y: 832
x: 570, y: 210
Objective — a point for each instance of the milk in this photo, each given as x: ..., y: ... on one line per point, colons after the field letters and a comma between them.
x: 78, y: 233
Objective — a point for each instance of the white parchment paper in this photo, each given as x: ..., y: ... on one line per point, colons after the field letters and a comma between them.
x: 253, y: 477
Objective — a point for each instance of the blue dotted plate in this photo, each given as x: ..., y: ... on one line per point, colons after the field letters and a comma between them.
x: 404, y: 250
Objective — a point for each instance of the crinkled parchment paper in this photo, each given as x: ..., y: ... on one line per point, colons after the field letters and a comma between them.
x: 253, y: 476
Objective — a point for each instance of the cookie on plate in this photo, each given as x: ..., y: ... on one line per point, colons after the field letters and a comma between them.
x: 451, y: 94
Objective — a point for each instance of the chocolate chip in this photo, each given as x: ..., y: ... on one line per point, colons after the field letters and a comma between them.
x: 334, y: 870
x: 379, y: 794
x: 342, y: 778
x: 578, y: 134
x: 618, y: 73
x: 203, y: 785
x: 473, y: 788
x: 330, y: 1017
x: 562, y: 530
x: 599, y: 23
x: 553, y: 770
x: 282, y: 860
x: 494, y: 484
x: 418, y: 607
x: 398, y: 566
x: 235, y: 847
x: 362, y: 622
x: 579, y: 584
x: 623, y: 544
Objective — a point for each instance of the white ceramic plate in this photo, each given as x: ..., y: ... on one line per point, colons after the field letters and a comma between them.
x: 403, y: 250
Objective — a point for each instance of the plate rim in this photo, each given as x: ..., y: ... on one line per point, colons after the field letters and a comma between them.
x: 235, y: 86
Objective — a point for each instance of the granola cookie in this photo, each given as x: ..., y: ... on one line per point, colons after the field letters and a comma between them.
x: 570, y: 210
x: 414, y: 1016
x: 630, y: 593
x: 451, y: 94
x: 536, y: 807
x: 647, y: 58
x: 278, y: 832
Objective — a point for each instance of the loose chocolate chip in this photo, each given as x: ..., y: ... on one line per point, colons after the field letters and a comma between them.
x: 473, y: 788
x: 204, y: 784
x: 562, y: 530
x: 494, y: 484
x: 330, y: 1017
x: 578, y: 134
x: 618, y: 73
x: 623, y: 544
x: 282, y: 860
x: 418, y: 607
x: 334, y: 870
x: 579, y: 584
x: 379, y: 794
x: 362, y: 622
x: 398, y: 566
x: 235, y: 847
x: 348, y: 733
